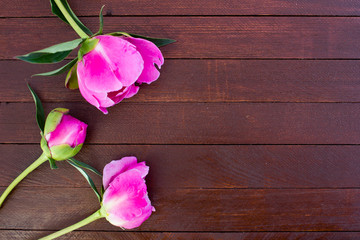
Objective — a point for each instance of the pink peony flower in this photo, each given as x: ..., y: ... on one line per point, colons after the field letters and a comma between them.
x: 62, y: 139
x: 114, y: 68
x: 64, y: 135
x: 125, y: 201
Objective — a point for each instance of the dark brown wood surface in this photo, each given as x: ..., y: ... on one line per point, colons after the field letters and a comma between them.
x: 197, y: 166
x: 204, y: 37
x: 251, y: 132
x: 86, y: 235
x: 222, y: 81
x: 198, y: 123
x: 39, y: 8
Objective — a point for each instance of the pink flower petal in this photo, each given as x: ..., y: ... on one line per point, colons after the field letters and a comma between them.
x: 97, y: 99
x: 151, y: 55
x: 132, y: 90
x: 126, y: 200
x: 117, y: 167
x: 121, y: 57
x: 107, y: 74
x: 126, y: 92
x: 70, y: 131
x: 96, y: 73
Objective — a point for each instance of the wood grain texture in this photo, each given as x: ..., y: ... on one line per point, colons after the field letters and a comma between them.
x: 184, y: 80
x: 220, y: 37
x: 187, y: 7
x: 86, y: 235
x: 194, y: 209
x: 197, y: 123
x: 241, y: 75
x: 189, y: 166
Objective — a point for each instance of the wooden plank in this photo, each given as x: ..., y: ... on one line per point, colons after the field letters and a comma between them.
x: 126, y: 235
x: 220, y: 37
x: 197, y: 123
x: 194, y: 209
x: 189, y: 166
x: 187, y: 7
x: 209, y: 81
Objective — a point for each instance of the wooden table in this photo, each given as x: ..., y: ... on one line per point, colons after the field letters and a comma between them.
x: 251, y: 132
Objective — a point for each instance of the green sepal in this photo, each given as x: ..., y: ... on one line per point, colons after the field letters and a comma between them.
x: 52, y: 163
x: 58, y: 71
x: 71, y: 80
x: 88, y: 45
x: 159, y: 42
x: 117, y: 34
x: 88, y: 179
x: 53, y: 54
x: 55, y: 10
x: 86, y: 166
x: 102, y: 191
x: 45, y: 147
x: 53, y: 119
x: 40, y: 116
x: 46, y: 150
x: 101, y: 20
x: 64, y: 151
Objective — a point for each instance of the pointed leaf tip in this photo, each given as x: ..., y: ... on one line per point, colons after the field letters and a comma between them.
x: 101, y: 19
x: 58, y: 71
x: 52, y: 164
x: 159, y: 42
x: 40, y: 116
x: 87, y: 177
x: 53, y: 54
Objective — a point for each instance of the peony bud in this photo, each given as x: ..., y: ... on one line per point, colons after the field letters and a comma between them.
x: 64, y: 135
x: 110, y: 71
x: 125, y: 201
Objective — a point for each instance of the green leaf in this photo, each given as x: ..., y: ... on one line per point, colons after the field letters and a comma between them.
x: 159, y: 42
x: 86, y: 166
x: 88, y: 45
x: 52, y: 163
x: 115, y: 34
x: 55, y: 10
x: 53, y: 54
x: 71, y: 80
x: 102, y: 190
x: 88, y: 179
x: 101, y: 18
x: 58, y: 71
x: 40, y: 116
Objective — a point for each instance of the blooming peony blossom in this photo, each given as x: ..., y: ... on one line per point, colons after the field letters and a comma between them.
x: 126, y: 200
x: 114, y: 69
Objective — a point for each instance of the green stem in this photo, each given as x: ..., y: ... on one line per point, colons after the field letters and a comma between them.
x: 71, y: 21
x: 28, y: 170
x: 95, y: 216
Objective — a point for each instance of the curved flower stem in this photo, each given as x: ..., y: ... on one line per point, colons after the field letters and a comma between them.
x: 71, y: 21
x: 43, y: 158
x: 95, y: 216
